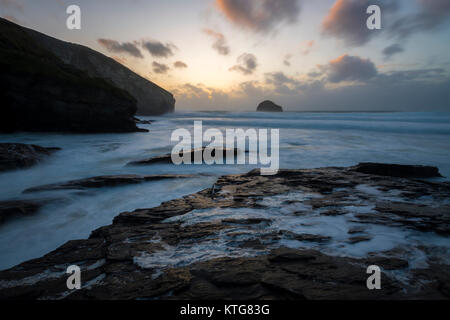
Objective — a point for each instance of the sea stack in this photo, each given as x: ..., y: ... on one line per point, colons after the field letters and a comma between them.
x: 269, y: 106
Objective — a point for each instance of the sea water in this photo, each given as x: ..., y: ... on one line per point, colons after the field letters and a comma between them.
x: 307, y: 140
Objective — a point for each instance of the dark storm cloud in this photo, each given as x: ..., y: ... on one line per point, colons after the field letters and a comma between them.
x: 247, y: 64
x: 391, y: 50
x: 158, y: 49
x: 180, y: 65
x: 160, y: 68
x: 350, y: 68
x: 259, y: 16
x: 347, y: 19
x: 117, y: 47
x: 431, y: 14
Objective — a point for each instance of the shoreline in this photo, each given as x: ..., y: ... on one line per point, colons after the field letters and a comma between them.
x: 246, y: 231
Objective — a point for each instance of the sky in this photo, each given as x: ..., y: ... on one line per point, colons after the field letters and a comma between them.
x: 305, y: 55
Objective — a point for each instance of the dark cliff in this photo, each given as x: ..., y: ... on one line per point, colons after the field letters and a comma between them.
x: 151, y: 99
x: 42, y: 93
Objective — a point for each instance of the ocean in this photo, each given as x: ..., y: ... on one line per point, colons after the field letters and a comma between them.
x: 307, y: 140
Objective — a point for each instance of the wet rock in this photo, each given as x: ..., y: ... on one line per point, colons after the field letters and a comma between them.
x: 104, y: 181
x: 19, y: 155
x: 305, y: 237
x: 247, y: 221
x: 145, y: 255
x: 356, y: 230
x: 397, y: 170
x: 167, y: 158
x: 388, y: 263
x: 140, y: 121
x: 358, y: 239
x: 19, y: 208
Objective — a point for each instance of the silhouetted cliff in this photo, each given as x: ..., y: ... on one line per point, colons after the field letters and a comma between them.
x: 42, y: 93
x: 151, y: 99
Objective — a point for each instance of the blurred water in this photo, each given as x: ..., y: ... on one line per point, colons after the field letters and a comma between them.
x: 307, y: 140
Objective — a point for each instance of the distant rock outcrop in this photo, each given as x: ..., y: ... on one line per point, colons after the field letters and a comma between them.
x: 151, y: 99
x: 269, y: 106
x: 42, y: 93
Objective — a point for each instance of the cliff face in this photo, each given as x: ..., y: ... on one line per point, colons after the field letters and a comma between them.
x: 151, y: 99
x: 42, y: 93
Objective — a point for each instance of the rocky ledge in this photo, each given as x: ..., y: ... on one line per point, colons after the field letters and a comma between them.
x: 19, y: 155
x: 301, y: 234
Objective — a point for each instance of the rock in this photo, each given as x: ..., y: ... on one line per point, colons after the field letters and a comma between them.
x: 182, y: 250
x: 358, y: 239
x: 167, y: 158
x: 246, y: 221
x: 40, y: 92
x: 139, y: 121
x: 17, y: 208
x: 305, y: 237
x: 269, y: 106
x: 397, y: 170
x: 19, y: 155
x: 150, y: 98
x: 388, y: 263
x: 356, y: 230
x: 104, y: 181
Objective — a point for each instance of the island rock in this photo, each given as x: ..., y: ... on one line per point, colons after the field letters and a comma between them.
x: 269, y: 106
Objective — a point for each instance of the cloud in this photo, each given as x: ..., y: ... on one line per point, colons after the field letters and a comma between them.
x: 158, y: 49
x: 392, y: 50
x: 307, y: 47
x: 347, y: 20
x: 180, y: 65
x: 199, y: 96
x: 282, y: 83
x: 220, y: 43
x: 350, y: 68
x: 409, y: 76
x: 160, y: 68
x: 431, y: 14
x: 408, y: 90
x: 11, y: 4
x: 287, y: 60
x: 117, y: 47
x: 247, y: 64
x: 251, y: 88
x: 261, y: 15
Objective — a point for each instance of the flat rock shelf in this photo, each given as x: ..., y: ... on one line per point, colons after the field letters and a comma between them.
x: 300, y: 234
